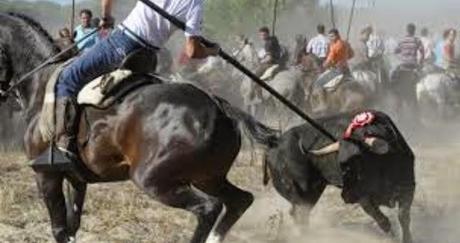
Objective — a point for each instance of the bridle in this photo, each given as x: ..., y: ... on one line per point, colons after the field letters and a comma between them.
x: 13, y: 86
x: 5, y: 75
x: 8, y: 87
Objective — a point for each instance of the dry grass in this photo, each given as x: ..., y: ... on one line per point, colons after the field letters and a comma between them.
x: 127, y: 215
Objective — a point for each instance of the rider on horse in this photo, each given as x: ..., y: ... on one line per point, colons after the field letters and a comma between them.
x: 319, y: 45
x: 271, y: 53
x: 445, y: 50
x: 361, y: 60
x: 143, y: 30
x: 407, y: 74
x: 337, y: 59
x: 410, y: 48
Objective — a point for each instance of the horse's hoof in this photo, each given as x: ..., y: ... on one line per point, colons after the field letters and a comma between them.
x: 407, y: 240
x: 214, y: 238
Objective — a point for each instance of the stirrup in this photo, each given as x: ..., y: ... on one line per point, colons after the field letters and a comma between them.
x: 55, y: 159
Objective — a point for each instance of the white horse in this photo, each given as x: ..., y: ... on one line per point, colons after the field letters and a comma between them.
x: 367, y: 79
x: 438, y: 93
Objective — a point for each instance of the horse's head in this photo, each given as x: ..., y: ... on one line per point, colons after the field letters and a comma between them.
x: 24, y: 45
x: 308, y: 63
x: 6, y: 71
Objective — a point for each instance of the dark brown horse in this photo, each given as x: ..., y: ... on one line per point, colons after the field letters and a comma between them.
x: 175, y: 142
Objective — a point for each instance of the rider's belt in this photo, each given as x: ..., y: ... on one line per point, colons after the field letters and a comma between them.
x: 137, y: 38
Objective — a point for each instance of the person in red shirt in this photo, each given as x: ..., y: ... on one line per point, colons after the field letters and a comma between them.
x: 339, y: 52
x: 449, y: 49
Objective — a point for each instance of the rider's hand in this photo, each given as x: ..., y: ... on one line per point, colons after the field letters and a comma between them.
x: 214, y: 50
x: 107, y: 22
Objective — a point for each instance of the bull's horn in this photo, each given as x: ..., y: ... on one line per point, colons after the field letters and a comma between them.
x: 329, y: 149
x: 377, y: 145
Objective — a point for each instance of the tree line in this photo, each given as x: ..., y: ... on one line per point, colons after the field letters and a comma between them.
x: 221, y: 16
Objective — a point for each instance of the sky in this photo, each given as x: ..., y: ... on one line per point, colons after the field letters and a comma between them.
x: 56, y: 1
x: 377, y: 3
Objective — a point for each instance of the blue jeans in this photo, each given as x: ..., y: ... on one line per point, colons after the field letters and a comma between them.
x: 102, y: 58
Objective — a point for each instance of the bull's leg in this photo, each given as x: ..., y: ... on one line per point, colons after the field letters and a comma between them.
x: 236, y: 202
x: 50, y: 185
x: 205, y: 207
x: 75, y: 198
x: 405, y: 203
x: 301, y: 212
x: 372, y: 210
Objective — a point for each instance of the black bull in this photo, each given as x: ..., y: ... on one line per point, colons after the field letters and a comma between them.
x: 386, y: 179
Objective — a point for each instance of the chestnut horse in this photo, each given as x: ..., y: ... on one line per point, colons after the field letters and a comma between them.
x: 175, y: 142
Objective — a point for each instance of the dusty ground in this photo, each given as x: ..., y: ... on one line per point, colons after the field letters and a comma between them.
x: 120, y: 213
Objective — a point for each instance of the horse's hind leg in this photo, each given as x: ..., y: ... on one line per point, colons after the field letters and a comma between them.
x: 236, y: 202
x: 205, y: 207
x: 372, y: 210
x: 50, y: 185
x: 405, y: 203
x: 75, y: 198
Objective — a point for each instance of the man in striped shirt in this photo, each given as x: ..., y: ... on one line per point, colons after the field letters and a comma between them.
x: 405, y: 77
x: 319, y: 45
x: 410, y: 48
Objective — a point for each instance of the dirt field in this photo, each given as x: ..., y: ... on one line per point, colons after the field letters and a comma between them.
x: 126, y: 215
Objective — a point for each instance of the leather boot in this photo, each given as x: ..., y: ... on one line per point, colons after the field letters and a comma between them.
x: 64, y: 155
x: 67, y: 126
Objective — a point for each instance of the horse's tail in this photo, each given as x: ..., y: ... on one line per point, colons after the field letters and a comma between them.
x: 254, y: 130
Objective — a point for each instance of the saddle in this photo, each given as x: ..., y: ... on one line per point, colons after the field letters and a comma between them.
x: 406, y: 68
x: 137, y: 70
x: 335, y: 82
x: 101, y: 93
x: 271, y: 72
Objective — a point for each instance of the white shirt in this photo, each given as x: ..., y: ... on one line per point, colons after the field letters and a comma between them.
x: 428, y: 47
x: 156, y: 30
x: 319, y: 46
x: 376, y: 46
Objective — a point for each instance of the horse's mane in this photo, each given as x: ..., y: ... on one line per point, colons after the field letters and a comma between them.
x: 36, y: 26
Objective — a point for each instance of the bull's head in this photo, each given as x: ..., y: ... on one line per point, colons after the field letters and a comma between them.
x: 376, y: 145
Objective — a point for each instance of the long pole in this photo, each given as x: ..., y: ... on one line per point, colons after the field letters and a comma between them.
x: 275, y: 16
x: 350, y: 20
x: 331, y: 6
x: 181, y: 25
x: 72, y: 20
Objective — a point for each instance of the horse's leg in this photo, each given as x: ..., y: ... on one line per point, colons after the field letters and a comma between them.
x: 236, y: 202
x: 50, y: 185
x: 75, y: 198
x: 183, y: 196
x: 404, y: 207
x: 372, y: 210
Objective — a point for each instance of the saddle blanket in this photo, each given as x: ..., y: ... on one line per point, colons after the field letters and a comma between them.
x: 93, y: 94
